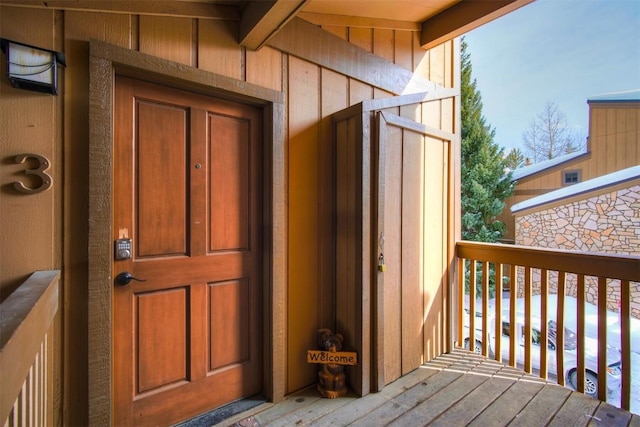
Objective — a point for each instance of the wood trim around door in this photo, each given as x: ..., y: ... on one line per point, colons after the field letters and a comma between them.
x: 104, y: 63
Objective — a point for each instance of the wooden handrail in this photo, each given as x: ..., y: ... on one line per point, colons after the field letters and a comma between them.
x: 25, y: 318
x: 612, y: 266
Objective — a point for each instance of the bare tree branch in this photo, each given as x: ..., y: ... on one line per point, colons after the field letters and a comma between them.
x: 549, y: 136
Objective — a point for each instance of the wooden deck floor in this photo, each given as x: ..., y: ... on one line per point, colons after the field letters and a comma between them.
x: 456, y: 389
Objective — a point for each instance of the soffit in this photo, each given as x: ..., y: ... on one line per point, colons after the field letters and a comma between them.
x: 437, y: 20
x: 399, y: 10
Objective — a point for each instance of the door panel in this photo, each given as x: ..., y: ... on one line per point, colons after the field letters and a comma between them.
x: 230, y: 344
x: 230, y: 204
x: 161, y: 175
x: 188, y: 180
x: 162, y: 340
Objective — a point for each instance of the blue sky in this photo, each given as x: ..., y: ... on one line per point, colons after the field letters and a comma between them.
x: 564, y: 51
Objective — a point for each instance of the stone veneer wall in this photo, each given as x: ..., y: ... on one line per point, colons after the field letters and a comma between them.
x: 608, y: 223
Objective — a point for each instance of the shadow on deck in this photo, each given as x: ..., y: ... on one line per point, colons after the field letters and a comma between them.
x: 456, y: 389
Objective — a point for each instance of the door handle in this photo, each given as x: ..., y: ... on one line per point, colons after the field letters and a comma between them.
x: 125, y: 278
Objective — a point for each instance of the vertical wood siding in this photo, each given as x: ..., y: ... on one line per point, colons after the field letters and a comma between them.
x: 305, y: 292
x: 30, y: 123
x: 57, y: 126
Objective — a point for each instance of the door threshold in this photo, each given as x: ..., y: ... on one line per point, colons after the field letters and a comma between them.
x: 222, y: 413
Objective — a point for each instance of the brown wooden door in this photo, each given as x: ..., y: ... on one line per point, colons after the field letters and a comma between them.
x: 188, y: 192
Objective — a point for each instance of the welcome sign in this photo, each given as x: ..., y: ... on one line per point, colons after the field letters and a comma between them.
x: 333, y: 357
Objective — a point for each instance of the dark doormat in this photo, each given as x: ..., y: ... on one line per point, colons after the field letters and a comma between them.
x: 220, y: 414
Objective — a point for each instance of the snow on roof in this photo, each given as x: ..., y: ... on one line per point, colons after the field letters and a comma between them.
x: 580, y: 188
x: 525, y: 171
x: 625, y: 96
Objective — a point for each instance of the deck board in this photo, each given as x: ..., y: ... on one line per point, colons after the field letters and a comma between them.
x: 610, y: 416
x: 403, y: 403
x: 543, y: 407
x: 505, y: 408
x: 440, y: 402
x: 473, y: 403
x: 576, y: 411
x: 455, y: 389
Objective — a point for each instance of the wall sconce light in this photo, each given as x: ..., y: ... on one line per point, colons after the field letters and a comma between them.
x: 32, y: 68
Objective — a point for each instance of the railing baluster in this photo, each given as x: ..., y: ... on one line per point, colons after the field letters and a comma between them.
x: 527, y: 320
x: 497, y: 333
x: 625, y: 342
x: 23, y: 406
x: 31, y: 406
x: 562, y: 279
x: 472, y: 304
x: 37, y: 387
x: 513, y: 301
x: 485, y: 308
x: 461, y: 264
x: 580, y: 309
x: 544, y: 333
x: 602, y: 338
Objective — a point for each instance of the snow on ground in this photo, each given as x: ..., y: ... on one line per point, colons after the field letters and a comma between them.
x: 635, y: 383
x: 634, y: 404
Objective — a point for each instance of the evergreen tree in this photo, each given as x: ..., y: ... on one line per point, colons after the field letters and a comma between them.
x: 515, y: 159
x: 485, y: 180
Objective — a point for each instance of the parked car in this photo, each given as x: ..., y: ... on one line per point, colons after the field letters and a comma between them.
x: 570, y: 346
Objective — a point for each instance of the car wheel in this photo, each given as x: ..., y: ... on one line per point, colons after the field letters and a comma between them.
x: 590, y: 383
x: 477, y: 349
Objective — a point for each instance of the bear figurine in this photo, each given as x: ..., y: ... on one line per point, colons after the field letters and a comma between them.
x: 331, y: 377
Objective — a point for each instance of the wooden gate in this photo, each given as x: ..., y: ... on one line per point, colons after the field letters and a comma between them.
x: 394, y: 238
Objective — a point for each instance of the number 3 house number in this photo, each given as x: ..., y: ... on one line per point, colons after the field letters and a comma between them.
x: 42, y: 164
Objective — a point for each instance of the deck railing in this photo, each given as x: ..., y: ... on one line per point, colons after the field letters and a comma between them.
x: 26, y: 342
x: 486, y: 271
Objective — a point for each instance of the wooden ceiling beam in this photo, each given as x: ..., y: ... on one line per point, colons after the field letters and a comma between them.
x: 309, y: 42
x: 464, y: 17
x: 261, y: 19
x: 358, y: 22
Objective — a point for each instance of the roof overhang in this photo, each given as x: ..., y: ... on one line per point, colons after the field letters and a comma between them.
x: 259, y: 20
x: 463, y: 17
